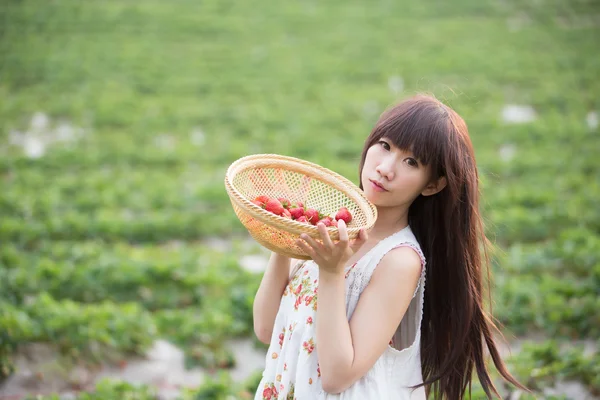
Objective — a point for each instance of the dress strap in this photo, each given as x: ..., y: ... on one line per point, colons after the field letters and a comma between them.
x: 403, y: 238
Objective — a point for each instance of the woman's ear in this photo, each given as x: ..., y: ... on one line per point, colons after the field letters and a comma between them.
x: 435, y: 186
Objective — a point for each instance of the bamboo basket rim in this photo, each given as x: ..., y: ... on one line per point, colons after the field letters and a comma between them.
x: 307, y: 168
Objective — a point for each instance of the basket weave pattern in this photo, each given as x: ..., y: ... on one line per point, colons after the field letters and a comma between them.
x: 297, y: 180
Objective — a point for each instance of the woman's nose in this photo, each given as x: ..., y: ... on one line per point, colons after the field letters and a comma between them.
x: 386, y: 169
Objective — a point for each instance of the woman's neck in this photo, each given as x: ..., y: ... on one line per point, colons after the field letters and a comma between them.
x: 389, y: 221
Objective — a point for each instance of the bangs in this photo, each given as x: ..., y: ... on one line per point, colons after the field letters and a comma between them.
x: 422, y: 129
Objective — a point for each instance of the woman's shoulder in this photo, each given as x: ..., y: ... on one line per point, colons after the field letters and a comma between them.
x: 401, y: 260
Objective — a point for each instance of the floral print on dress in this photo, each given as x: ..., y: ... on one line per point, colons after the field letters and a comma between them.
x: 291, y: 329
x: 309, y: 345
x: 270, y: 391
x: 305, y: 290
x: 311, y: 300
x: 290, y: 395
x: 281, y: 337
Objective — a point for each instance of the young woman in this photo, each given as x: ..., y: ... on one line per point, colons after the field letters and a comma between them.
x: 400, y: 311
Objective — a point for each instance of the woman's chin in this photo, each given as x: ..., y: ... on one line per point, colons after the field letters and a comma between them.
x: 373, y: 197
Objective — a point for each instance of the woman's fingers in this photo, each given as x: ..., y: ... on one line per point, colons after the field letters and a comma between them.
x: 329, y: 251
x: 324, y: 235
x: 343, y: 232
x: 306, y: 248
x: 311, y: 242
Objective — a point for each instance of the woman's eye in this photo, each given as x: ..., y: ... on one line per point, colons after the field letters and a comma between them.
x: 385, y: 144
x: 412, y: 162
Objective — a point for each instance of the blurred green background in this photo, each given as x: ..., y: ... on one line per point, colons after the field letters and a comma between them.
x: 118, y: 120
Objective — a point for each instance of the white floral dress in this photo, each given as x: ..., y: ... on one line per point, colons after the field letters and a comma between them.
x: 292, y: 368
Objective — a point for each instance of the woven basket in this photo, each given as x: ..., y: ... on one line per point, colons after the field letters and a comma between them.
x: 297, y: 180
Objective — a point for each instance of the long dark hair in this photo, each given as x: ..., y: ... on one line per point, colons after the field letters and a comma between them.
x: 456, y: 327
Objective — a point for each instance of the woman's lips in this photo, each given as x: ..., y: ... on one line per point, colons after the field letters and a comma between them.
x: 378, y: 187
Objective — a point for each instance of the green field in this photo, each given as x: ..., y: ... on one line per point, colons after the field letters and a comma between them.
x: 118, y: 119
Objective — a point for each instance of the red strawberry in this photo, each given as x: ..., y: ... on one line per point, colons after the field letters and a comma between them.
x: 286, y: 214
x: 300, y: 204
x: 297, y: 212
x: 284, y: 202
x: 258, y: 203
x: 303, y: 220
x: 262, y: 199
x: 326, y: 221
x: 274, y: 206
x: 344, y: 214
x: 312, y: 215
x: 333, y: 223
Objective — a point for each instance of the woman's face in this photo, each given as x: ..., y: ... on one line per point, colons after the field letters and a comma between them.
x: 393, y: 177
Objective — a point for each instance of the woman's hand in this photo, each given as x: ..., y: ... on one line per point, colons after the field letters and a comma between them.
x: 331, y: 258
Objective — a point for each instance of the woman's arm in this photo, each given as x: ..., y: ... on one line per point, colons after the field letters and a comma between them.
x: 268, y: 296
x: 347, y: 350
